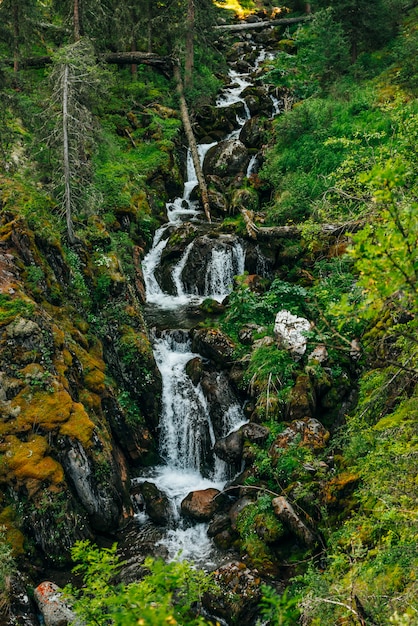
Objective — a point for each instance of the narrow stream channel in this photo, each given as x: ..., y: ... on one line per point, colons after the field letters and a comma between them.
x: 186, y: 431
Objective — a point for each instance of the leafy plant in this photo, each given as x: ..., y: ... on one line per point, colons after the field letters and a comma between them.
x: 168, y: 593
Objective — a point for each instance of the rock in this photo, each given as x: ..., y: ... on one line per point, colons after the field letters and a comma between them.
x: 264, y: 342
x: 213, y: 344
x: 302, y: 400
x: 319, y: 354
x: 194, y: 370
x: 219, y: 524
x: 237, y: 508
x: 310, y: 431
x: 285, y: 512
x: 238, y: 602
x: 289, y: 331
x: 99, y: 498
x: 257, y: 100
x: 256, y: 433
x: 252, y: 133
x: 226, y: 159
x: 222, y: 401
x: 157, y: 504
x: 230, y: 448
x: 201, y: 505
x: 55, y: 611
x: 22, y: 609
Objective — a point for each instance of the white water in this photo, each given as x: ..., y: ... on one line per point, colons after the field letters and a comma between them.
x: 186, y: 442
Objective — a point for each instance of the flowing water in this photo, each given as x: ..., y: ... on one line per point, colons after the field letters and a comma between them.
x: 186, y: 431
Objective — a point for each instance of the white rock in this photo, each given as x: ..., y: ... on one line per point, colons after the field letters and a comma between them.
x: 55, y: 611
x: 289, y: 332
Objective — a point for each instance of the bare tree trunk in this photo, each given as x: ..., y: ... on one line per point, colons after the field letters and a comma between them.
x: 76, y: 17
x: 66, y: 157
x: 192, y: 143
x: 15, y: 37
x: 189, y: 60
x: 134, y: 67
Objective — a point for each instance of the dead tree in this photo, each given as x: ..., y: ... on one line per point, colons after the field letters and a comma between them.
x: 192, y: 143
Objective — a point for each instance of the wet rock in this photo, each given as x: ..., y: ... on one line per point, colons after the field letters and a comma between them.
x: 289, y: 331
x: 55, y: 611
x: 218, y: 203
x: 157, y: 504
x: 252, y: 133
x: 222, y: 402
x: 213, y: 344
x: 99, y: 497
x: 226, y: 159
x: 230, y: 448
x: 22, y: 609
x: 257, y: 100
x: 219, y: 524
x: 194, y: 370
x: 201, y: 505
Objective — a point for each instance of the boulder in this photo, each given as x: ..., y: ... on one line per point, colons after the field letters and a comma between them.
x: 310, y: 432
x: 252, y: 133
x: 157, y: 504
x: 54, y: 610
x: 226, y: 159
x: 230, y: 448
x: 286, y: 514
x: 201, y: 505
x: 213, y: 344
x: 220, y: 523
x: 289, y: 331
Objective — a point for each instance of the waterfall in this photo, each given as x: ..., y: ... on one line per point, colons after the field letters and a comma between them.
x: 206, y: 268
x: 225, y: 263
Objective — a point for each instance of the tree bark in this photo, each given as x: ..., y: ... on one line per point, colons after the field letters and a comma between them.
x: 189, y: 60
x: 118, y: 58
x: 66, y: 157
x: 76, y: 18
x: 264, y: 24
x: 285, y: 512
x: 192, y: 143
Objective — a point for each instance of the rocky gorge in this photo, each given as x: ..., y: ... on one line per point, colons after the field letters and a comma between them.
x: 169, y: 382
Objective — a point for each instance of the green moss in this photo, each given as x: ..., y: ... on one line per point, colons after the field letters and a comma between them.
x: 11, y: 307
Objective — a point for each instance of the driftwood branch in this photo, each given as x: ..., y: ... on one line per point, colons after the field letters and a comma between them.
x: 192, y: 143
x: 285, y: 21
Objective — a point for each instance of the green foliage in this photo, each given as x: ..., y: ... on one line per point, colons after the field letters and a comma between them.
x: 168, y: 594
x: 279, y: 610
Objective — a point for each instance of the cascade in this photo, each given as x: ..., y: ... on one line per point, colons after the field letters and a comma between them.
x: 186, y: 432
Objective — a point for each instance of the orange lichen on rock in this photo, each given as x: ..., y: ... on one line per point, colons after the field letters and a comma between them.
x: 27, y: 461
x: 42, y: 409
x: 93, y: 368
x: 79, y: 425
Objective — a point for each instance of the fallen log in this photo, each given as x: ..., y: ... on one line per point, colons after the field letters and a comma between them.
x: 295, y: 230
x: 117, y: 58
x: 286, y: 513
x: 192, y: 143
x: 285, y: 21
